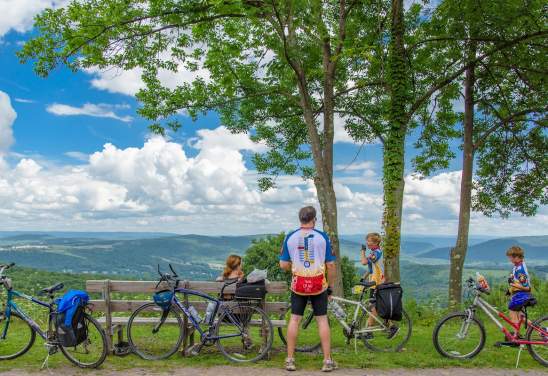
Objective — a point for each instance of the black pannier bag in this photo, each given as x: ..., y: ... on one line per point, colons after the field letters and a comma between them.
x: 389, y: 301
x: 74, y: 334
x: 247, y: 290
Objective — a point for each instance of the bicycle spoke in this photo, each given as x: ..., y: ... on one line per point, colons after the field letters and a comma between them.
x: 149, y: 338
x: 244, y: 331
x: 538, y: 332
x: 19, y: 337
x: 92, y: 351
x: 458, y: 336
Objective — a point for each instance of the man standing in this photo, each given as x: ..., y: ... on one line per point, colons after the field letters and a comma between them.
x: 306, y: 252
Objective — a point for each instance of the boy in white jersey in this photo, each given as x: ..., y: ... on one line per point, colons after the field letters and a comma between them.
x: 307, y: 253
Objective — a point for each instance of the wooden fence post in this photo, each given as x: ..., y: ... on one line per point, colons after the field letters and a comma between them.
x: 108, y: 314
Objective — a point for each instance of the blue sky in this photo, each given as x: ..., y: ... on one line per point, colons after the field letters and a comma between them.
x: 80, y: 158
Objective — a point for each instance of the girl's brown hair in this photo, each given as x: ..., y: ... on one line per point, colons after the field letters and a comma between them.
x: 232, y: 262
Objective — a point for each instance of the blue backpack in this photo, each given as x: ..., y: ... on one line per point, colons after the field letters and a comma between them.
x: 70, y: 321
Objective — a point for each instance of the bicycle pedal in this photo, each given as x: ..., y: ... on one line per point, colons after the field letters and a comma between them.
x: 195, y: 349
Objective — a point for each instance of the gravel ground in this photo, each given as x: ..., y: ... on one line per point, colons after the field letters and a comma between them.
x: 250, y: 371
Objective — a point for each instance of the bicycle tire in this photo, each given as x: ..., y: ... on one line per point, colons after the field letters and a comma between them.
x: 532, y: 348
x: 371, y: 346
x: 462, y: 316
x: 303, y: 326
x: 224, y: 320
x: 104, y: 342
x: 141, y: 351
x: 27, y: 346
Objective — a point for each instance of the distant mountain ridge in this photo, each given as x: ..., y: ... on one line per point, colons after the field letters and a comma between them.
x: 201, y: 256
x: 536, y: 247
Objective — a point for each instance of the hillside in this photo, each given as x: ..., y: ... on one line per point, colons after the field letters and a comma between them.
x: 536, y: 248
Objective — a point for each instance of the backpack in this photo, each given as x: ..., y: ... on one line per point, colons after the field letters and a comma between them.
x: 389, y: 301
x: 70, y: 323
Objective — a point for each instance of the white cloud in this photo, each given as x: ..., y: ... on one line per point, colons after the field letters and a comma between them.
x: 23, y: 100
x: 434, y: 197
x: 77, y: 155
x: 7, y: 117
x: 18, y: 15
x: 356, y: 166
x: 88, y: 109
x: 129, y: 82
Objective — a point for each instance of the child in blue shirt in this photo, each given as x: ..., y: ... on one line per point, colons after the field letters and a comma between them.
x: 519, y: 283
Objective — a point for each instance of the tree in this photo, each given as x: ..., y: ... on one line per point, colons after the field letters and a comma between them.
x: 423, y: 74
x: 503, y: 118
x: 277, y: 69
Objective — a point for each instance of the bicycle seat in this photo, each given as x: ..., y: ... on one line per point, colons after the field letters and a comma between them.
x: 366, y: 283
x: 531, y: 302
x: 52, y: 289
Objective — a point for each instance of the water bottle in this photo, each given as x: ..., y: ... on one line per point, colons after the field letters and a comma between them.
x: 337, y: 310
x: 209, y: 312
x: 195, y: 315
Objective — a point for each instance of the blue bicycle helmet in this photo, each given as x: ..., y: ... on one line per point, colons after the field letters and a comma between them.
x: 163, y: 299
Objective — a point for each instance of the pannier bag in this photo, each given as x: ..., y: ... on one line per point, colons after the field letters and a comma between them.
x: 248, y: 290
x: 389, y: 301
x: 69, y: 320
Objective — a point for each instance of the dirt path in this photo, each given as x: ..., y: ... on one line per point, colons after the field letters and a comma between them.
x: 250, y: 371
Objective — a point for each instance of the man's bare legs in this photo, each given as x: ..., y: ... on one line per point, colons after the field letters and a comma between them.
x: 292, y: 332
x: 325, y: 336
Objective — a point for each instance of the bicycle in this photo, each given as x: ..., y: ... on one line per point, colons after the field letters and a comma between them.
x: 230, y: 326
x: 379, y: 337
x: 461, y: 335
x: 18, y: 330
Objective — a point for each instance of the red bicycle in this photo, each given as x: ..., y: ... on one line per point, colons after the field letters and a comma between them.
x: 461, y: 335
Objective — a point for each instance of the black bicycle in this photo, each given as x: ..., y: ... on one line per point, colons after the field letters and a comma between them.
x: 18, y: 330
x: 241, y: 330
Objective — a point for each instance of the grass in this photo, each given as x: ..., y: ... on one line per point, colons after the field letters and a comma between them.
x: 418, y: 353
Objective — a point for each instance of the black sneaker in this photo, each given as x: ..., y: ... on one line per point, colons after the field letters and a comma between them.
x: 392, y: 331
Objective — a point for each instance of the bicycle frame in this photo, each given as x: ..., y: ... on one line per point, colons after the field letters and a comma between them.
x: 359, y: 305
x: 12, y: 306
x: 492, y: 312
x: 196, y: 325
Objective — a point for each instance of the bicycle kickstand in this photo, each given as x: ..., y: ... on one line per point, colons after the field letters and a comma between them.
x: 519, y: 354
x: 45, y: 363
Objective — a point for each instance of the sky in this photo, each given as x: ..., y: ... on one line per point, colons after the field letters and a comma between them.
x: 76, y: 156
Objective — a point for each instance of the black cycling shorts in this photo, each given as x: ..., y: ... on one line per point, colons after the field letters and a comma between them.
x: 319, y: 303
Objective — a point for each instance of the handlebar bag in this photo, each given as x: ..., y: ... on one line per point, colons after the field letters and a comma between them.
x: 389, y: 301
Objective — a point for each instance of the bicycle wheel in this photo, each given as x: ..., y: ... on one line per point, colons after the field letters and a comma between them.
x: 539, y: 352
x: 244, y: 333
x: 309, y: 339
x: 457, y: 337
x: 147, y: 340
x: 91, y: 353
x: 20, y: 336
x: 391, y: 336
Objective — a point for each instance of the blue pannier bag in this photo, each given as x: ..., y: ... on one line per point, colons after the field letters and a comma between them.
x: 70, y: 321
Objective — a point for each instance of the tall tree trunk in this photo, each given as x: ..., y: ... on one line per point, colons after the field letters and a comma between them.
x: 328, y: 207
x: 394, y: 145
x: 458, y: 253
